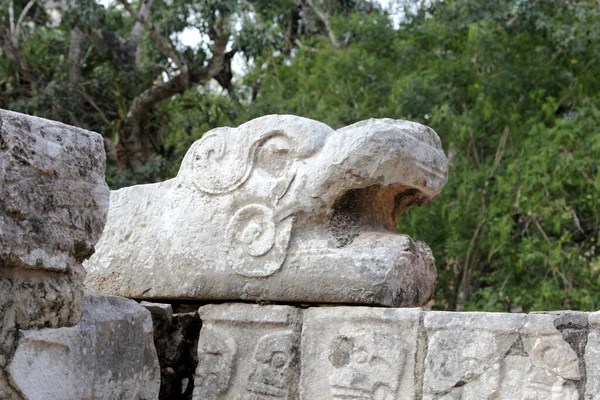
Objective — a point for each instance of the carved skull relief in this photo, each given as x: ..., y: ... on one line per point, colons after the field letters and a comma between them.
x: 366, y: 365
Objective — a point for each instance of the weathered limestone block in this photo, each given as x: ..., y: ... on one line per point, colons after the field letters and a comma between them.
x: 281, y: 208
x: 465, y: 352
x: 176, y: 341
x: 592, y: 358
x: 360, y: 353
x: 53, y: 206
x: 555, y: 343
x: 7, y: 392
x: 248, y: 352
x: 34, y: 299
x: 392, y: 354
x: 110, y: 354
x: 53, y: 198
x: 501, y: 356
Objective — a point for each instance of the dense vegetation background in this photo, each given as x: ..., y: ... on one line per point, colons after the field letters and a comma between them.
x: 511, y: 86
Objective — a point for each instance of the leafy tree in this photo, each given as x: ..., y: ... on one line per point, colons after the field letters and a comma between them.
x: 512, y: 88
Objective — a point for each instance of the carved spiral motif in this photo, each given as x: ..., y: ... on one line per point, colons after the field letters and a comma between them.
x: 253, y: 228
x: 212, y: 156
x: 256, y: 244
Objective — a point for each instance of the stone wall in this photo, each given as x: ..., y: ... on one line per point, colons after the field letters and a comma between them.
x: 55, y: 342
x: 53, y: 205
x: 250, y: 351
x: 109, y: 354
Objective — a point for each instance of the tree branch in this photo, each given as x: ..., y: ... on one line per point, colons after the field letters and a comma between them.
x: 17, y: 59
x: 138, y: 28
x: 133, y: 141
x: 11, y: 17
x: 144, y: 102
x: 17, y: 28
x: 74, y: 57
x: 325, y: 18
x: 161, y: 42
x: 225, y: 75
x: 220, y: 39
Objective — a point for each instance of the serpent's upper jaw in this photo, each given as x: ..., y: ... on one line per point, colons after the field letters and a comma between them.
x: 382, y: 152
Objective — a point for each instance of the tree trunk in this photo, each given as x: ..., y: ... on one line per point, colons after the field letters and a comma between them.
x: 17, y: 59
x: 138, y: 29
x: 134, y: 146
x: 75, y: 43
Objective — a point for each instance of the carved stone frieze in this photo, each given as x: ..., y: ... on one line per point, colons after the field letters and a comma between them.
x: 247, y: 352
x: 498, y: 356
x: 359, y: 353
x: 394, y: 354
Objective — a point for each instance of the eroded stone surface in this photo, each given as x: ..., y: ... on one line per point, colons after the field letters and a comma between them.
x: 7, y: 392
x: 53, y: 198
x: 592, y: 358
x: 36, y: 299
x: 109, y: 355
x: 499, y: 356
x: 359, y: 353
x: 281, y: 208
x: 53, y: 206
x: 390, y: 354
x: 247, y: 352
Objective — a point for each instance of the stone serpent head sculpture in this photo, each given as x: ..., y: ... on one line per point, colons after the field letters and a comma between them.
x: 282, y: 208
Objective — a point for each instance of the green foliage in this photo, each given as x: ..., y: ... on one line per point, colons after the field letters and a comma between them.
x: 516, y: 111
x: 335, y: 86
x: 194, y: 114
x: 513, y: 90
x: 512, y: 87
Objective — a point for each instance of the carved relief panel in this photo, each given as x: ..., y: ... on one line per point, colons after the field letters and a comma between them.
x: 359, y: 353
x: 247, y: 352
x: 478, y: 356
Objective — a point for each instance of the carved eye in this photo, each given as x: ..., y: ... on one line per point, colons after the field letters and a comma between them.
x: 340, y: 351
x: 275, y: 155
x: 279, y: 359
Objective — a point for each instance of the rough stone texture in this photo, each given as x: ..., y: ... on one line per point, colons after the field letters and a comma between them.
x: 499, y: 356
x: 109, y: 355
x: 36, y: 299
x: 53, y: 198
x: 176, y: 342
x: 248, y: 352
x: 7, y: 392
x: 281, y: 208
x: 53, y: 206
x: 392, y: 354
x: 359, y: 353
x: 592, y: 358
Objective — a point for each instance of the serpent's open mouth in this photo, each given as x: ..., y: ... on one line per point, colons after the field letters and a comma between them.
x: 374, y: 208
x: 377, y: 207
